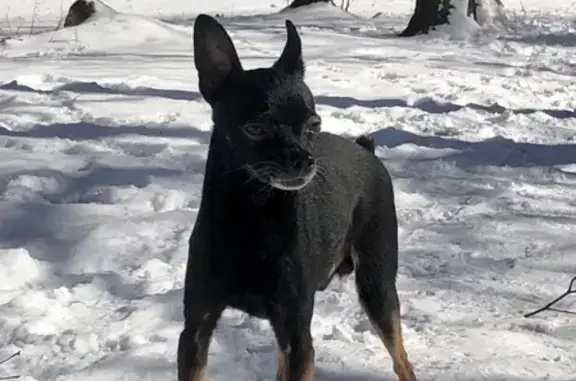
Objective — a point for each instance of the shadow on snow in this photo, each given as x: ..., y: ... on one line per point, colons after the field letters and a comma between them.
x: 435, y: 107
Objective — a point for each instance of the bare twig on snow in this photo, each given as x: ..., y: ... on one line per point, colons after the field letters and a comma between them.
x: 571, y: 290
x: 5, y: 361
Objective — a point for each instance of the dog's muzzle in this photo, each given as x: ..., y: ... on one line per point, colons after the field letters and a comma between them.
x: 288, y: 183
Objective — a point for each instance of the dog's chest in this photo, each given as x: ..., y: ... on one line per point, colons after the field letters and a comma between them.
x: 254, y: 280
x: 275, y: 249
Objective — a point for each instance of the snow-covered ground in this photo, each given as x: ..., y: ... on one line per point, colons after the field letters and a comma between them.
x: 103, y: 137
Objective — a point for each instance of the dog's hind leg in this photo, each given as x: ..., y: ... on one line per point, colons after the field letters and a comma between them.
x: 194, y: 342
x: 281, y: 372
x: 380, y: 301
x: 376, y: 267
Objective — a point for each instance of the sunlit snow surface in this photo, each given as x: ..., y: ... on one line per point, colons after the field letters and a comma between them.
x: 103, y: 137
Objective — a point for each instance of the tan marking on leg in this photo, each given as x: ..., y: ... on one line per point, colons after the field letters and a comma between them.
x: 395, y: 346
x: 199, y: 375
x: 354, y: 256
x: 308, y: 371
x: 281, y: 372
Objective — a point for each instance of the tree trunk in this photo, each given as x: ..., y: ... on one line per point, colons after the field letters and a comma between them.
x: 299, y: 3
x: 473, y: 9
x: 430, y: 13
x: 79, y: 12
x: 427, y: 14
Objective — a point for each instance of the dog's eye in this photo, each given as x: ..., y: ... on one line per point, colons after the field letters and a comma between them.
x: 314, y: 124
x: 254, y: 131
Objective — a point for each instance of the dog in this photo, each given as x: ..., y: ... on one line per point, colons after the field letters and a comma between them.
x: 284, y: 208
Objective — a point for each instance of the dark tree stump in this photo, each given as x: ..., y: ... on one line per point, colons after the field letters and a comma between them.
x: 430, y: 13
x: 79, y: 12
x: 299, y: 3
x: 473, y: 9
x: 427, y: 14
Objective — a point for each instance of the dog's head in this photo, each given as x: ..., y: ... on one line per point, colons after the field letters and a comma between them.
x: 267, y: 115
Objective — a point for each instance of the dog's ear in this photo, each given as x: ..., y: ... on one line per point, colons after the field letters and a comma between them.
x: 290, y: 60
x: 215, y: 56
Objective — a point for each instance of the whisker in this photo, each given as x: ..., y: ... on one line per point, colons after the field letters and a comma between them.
x: 320, y: 171
x: 235, y: 169
x: 265, y: 188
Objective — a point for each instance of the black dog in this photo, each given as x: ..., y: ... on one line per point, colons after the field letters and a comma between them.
x: 284, y: 208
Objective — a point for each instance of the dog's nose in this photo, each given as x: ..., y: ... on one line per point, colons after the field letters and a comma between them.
x: 304, y: 163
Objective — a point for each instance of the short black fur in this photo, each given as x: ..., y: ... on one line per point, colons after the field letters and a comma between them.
x: 284, y: 208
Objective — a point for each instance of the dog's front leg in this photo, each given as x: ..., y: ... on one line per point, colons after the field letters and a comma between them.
x: 296, y: 358
x: 296, y: 350
x: 200, y: 322
x: 300, y: 356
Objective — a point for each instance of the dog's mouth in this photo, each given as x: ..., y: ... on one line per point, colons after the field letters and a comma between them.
x: 283, y: 180
x: 291, y: 183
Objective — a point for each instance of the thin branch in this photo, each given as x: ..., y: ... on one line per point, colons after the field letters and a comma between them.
x: 571, y: 290
x: 5, y: 361
x: 34, y: 15
x: 10, y: 357
x: 60, y: 21
x: 562, y: 311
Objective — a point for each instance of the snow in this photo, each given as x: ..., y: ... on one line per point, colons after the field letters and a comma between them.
x: 103, y: 138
